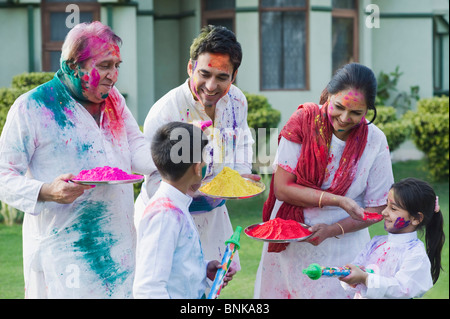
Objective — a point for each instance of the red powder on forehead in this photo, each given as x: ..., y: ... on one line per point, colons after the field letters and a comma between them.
x: 105, y: 173
x: 279, y: 229
x: 219, y: 61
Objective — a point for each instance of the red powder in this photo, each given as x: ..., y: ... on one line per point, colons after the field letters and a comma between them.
x: 105, y: 173
x: 372, y: 216
x: 279, y: 229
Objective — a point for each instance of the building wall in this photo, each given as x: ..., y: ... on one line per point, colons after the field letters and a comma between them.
x: 157, y: 35
x: 404, y: 39
x: 14, y: 48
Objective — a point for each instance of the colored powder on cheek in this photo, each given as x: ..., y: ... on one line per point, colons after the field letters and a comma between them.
x: 279, y: 229
x: 401, y: 223
x: 229, y: 183
x: 105, y: 173
x: 95, y: 78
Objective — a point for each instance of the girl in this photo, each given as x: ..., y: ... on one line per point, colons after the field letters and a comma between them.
x: 399, y: 259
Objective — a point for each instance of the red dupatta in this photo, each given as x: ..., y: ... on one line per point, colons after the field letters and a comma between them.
x: 310, y: 127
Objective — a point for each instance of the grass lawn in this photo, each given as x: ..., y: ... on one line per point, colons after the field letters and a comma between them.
x: 242, y: 213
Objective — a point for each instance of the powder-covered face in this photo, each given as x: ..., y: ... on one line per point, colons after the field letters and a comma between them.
x: 397, y: 220
x: 99, y: 73
x: 210, y: 77
x: 346, y: 110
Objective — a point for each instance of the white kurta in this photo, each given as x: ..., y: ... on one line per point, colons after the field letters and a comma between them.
x: 84, y: 249
x: 230, y: 144
x: 169, y: 258
x: 280, y: 274
x: 401, y: 267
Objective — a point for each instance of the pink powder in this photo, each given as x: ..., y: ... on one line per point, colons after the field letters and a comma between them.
x: 105, y: 173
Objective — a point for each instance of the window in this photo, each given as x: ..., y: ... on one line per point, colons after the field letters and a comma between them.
x: 283, y: 44
x: 344, y: 33
x: 54, y: 27
x: 219, y: 12
x: 440, y: 32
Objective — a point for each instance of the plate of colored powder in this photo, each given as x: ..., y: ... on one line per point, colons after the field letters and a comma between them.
x: 279, y: 230
x: 106, y: 175
x: 229, y: 184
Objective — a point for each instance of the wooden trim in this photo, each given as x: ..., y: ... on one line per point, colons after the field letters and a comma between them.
x: 307, y: 57
x: 217, y: 14
x: 352, y: 14
x: 49, y: 46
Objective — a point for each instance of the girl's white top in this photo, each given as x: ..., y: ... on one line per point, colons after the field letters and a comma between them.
x: 401, y: 268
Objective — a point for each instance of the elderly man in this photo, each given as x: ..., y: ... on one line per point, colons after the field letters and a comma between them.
x: 208, y: 96
x: 78, y: 241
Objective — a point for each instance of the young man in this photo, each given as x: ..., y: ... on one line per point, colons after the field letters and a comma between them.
x: 208, y: 95
x: 78, y: 241
x: 170, y: 262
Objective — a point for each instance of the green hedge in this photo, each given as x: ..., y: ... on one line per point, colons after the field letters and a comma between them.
x: 260, y: 112
x: 430, y: 129
x: 396, y: 130
x: 20, y: 84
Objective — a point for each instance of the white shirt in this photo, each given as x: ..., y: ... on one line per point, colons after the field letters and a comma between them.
x: 169, y: 258
x: 401, y: 268
x: 84, y: 249
x: 230, y: 140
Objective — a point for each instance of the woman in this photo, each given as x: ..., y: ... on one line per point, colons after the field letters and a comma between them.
x: 330, y: 163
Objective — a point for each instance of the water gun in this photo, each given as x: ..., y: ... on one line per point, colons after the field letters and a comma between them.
x: 232, y: 246
x: 315, y: 271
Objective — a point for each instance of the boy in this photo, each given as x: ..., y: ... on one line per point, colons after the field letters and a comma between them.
x: 169, y: 257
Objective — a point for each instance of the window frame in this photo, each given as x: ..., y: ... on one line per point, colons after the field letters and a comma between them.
x: 47, y: 8
x: 353, y: 14
x: 304, y: 9
x: 217, y: 14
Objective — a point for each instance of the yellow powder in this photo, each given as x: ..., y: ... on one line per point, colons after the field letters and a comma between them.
x: 229, y: 183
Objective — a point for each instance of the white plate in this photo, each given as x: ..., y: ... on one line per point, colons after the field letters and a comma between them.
x: 115, y: 182
x: 290, y: 240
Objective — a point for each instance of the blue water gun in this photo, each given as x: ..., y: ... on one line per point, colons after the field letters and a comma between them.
x: 232, y: 246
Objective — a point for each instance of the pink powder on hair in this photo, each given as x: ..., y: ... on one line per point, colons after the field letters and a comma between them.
x: 105, y: 173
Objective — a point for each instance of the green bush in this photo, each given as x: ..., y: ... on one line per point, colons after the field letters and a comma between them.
x: 20, y: 84
x: 396, y: 130
x: 430, y: 129
x: 260, y: 112
x: 260, y: 115
x: 28, y: 81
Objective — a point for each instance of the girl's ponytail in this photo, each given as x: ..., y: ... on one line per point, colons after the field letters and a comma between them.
x: 434, y: 239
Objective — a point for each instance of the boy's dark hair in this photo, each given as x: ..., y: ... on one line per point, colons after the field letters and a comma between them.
x: 414, y: 196
x: 176, y: 146
x: 217, y: 39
